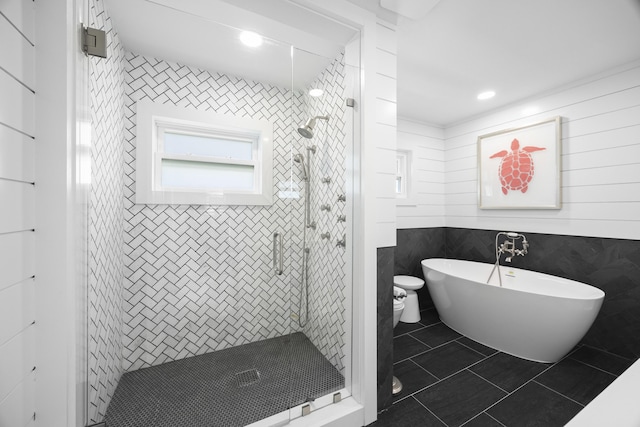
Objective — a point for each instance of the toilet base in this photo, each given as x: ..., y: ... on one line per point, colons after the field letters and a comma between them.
x: 411, y: 312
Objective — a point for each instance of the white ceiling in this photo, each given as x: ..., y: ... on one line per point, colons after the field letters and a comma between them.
x: 204, y: 34
x: 447, y: 54
x: 518, y: 48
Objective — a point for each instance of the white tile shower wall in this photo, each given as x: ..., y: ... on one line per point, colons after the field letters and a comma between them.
x: 199, y: 278
x: 425, y: 206
x: 106, y: 218
x: 327, y: 287
x: 600, y: 161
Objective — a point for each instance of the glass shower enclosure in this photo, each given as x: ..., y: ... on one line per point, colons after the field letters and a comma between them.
x: 205, y: 307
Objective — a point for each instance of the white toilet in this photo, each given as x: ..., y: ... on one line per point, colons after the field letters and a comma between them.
x: 411, y: 312
x: 399, y: 296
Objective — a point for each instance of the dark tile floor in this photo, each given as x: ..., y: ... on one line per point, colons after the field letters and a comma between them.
x: 450, y: 380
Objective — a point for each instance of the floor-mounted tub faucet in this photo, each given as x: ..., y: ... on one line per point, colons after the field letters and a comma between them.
x: 508, y: 246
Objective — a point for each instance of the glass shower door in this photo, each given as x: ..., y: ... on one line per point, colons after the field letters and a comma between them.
x: 325, y: 89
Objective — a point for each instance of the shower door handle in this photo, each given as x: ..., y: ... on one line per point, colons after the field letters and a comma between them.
x: 277, y: 253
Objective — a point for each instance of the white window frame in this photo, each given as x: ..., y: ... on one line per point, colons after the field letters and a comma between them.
x: 402, y: 173
x: 408, y: 196
x: 154, y: 119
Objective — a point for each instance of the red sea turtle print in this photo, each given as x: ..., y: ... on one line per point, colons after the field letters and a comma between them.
x: 516, y: 167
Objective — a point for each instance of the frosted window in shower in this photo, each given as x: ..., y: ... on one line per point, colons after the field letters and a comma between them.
x: 188, y: 156
x: 198, y: 175
x: 229, y: 147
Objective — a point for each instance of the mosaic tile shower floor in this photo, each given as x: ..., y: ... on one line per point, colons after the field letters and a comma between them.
x: 232, y: 387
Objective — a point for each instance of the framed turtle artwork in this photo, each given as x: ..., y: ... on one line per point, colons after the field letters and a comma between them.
x: 520, y: 168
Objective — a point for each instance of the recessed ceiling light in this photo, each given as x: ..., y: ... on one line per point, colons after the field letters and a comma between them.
x: 251, y: 39
x: 316, y: 92
x: 486, y: 95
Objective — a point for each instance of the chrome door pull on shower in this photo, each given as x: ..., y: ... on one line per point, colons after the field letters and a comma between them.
x: 277, y: 253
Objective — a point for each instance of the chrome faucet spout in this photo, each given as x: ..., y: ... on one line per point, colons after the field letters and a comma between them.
x: 509, y: 248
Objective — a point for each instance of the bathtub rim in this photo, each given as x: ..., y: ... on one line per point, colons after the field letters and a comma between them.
x: 598, y: 294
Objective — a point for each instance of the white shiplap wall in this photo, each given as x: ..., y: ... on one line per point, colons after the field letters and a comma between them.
x: 385, y: 135
x: 424, y: 206
x: 600, y: 161
x: 17, y: 216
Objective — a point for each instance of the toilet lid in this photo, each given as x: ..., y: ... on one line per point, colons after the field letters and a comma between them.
x: 408, y: 282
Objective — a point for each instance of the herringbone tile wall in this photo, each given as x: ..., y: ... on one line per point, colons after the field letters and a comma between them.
x: 168, y: 282
x: 106, y: 221
x: 199, y: 278
x: 327, y: 287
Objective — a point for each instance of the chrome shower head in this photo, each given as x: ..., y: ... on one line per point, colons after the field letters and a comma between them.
x: 307, y: 129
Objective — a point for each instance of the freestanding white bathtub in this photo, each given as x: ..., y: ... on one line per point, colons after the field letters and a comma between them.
x: 534, y: 316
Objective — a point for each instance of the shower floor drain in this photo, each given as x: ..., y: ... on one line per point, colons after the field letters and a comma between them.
x: 246, y: 378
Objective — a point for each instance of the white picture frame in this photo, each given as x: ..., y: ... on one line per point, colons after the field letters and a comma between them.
x: 519, y: 168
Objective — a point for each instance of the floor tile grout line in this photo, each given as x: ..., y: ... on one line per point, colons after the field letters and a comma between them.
x: 408, y: 332
x: 609, y: 353
x: 484, y: 379
x: 467, y: 367
x: 430, y: 411
x: 424, y: 369
x: 439, y: 379
x: 527, y: 382
x: 415, y: 355
x: 430, y: 347
x: 494, y: 418
x: 558, y: 393
x: 433, y: 348
x: 439, y: 345
x: 477, y: 415
x: 594, y: 367
x: 471, y: 348
x: 417, y: 391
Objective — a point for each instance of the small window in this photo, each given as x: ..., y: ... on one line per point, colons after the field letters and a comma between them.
x: 402, y: 175
x: 202, y: 158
